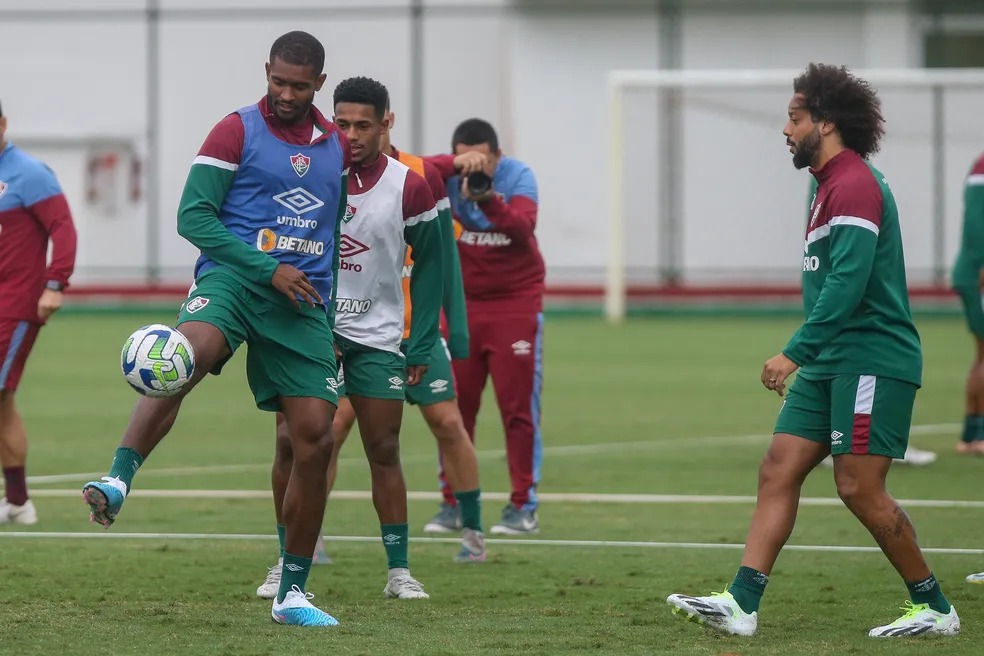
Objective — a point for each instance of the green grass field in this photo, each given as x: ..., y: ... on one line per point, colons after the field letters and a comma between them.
x: 666, y: 406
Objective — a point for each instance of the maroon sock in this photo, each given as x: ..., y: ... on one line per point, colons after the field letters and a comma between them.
x: 15, y: 485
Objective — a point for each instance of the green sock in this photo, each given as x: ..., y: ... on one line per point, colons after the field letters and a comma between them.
x: 973, y: 428
x: 748, y: 588
x: 470, y: 503
x: 929, y: 592
x: 282, y: 536
x: 295, y: 572
x: 396, y: 541
x: 126, y: 462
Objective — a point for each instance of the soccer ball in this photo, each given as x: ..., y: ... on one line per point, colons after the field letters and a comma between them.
x: 157, y: 360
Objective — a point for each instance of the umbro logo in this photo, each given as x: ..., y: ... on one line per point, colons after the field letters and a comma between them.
x: 835, y: 438
x: 522, y: 347
x: 396, y: 383
x: 332, y: 384
x: 438, y: 386
x: 348, y: 247
x: 299, y: 200
x: 294, y: 568
x: 391, y: 538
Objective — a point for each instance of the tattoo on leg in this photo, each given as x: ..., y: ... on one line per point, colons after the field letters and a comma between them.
x: 893, y: 529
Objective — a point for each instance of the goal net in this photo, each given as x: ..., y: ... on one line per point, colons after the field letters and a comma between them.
x: 702, y: 190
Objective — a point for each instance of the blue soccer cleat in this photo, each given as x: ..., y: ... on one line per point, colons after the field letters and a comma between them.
x: 296, y: 609
x: 105, y: 499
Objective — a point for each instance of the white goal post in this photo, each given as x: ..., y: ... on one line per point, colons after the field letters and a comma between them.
x: 669, y: 84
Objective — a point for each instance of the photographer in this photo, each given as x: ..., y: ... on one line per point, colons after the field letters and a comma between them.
x: 494, y: 199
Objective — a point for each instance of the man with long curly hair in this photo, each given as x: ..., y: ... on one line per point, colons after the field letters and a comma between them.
x: 859, y: 360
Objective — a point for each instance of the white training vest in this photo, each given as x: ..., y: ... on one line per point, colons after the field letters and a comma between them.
x: 369, y: 300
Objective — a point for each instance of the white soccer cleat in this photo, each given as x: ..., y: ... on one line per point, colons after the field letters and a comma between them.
x: 11, y: 514
x: 919, y: 619
x: 916, y: 457
x: 976, y: 578
x: 403, y: 586
x: 271, y: 586
x: 718, y: 611
x: 297, y: 609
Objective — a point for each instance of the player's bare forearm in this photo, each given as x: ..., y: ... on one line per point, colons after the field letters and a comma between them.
x: 426, y: 283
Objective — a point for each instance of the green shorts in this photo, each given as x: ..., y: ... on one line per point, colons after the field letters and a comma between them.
x: 290, y: 351
x: 438, y: 383
x: 370, y: 372
x: 851, y: 414
x: 973, y: 303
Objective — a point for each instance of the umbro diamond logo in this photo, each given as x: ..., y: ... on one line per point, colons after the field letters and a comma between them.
x: 522, y: 347
x: 391, y: 538
x: 348, y: 247
x: 396, y: 383
x: 294, y: 568
x: 835, y: 438
x: 299, y: 200
x: 438, y: 386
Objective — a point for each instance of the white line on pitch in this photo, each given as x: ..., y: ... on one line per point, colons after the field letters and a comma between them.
x: 513, y: 541
x: 550, y: 497
x: 612, y: 448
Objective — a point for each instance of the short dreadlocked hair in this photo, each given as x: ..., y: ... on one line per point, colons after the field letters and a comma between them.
x: 833, y: 94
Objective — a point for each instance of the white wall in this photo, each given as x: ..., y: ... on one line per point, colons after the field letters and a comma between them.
x: 537, y: 70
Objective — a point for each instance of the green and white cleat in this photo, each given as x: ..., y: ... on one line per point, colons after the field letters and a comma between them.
x: 976, y: 578
x: 719, y: 611
x: 919, y: 619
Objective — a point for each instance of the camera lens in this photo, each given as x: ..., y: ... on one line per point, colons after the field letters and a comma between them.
x: 479, y: 183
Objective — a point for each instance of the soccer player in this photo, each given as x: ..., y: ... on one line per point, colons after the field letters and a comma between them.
x: 503, y: 274
x: 859, y: 359
x: 33, y: 211
x: 968, y: 282
x: 389, y: 208
x: 263, y: 202
x: 435, y: 395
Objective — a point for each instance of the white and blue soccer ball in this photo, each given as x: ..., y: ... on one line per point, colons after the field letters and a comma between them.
x: 157, y: 360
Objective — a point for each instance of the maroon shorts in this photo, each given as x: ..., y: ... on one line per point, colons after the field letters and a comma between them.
x: 16, y: 339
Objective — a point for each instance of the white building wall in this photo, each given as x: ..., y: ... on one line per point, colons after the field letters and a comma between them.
x: 537, y: 70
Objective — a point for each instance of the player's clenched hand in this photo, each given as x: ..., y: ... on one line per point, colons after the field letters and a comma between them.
x: 470, y: 162
x: 292, y: 283
x: 776, y: 371
x: 415, y: 373
x: 49, y: 303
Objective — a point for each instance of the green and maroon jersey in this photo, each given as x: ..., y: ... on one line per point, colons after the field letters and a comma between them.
x: 855, y: 296
x: 970, y: 259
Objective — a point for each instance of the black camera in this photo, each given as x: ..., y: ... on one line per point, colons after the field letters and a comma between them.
x: 479, y: 183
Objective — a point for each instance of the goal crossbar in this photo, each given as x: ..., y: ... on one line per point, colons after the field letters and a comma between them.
x: 619, y: 81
